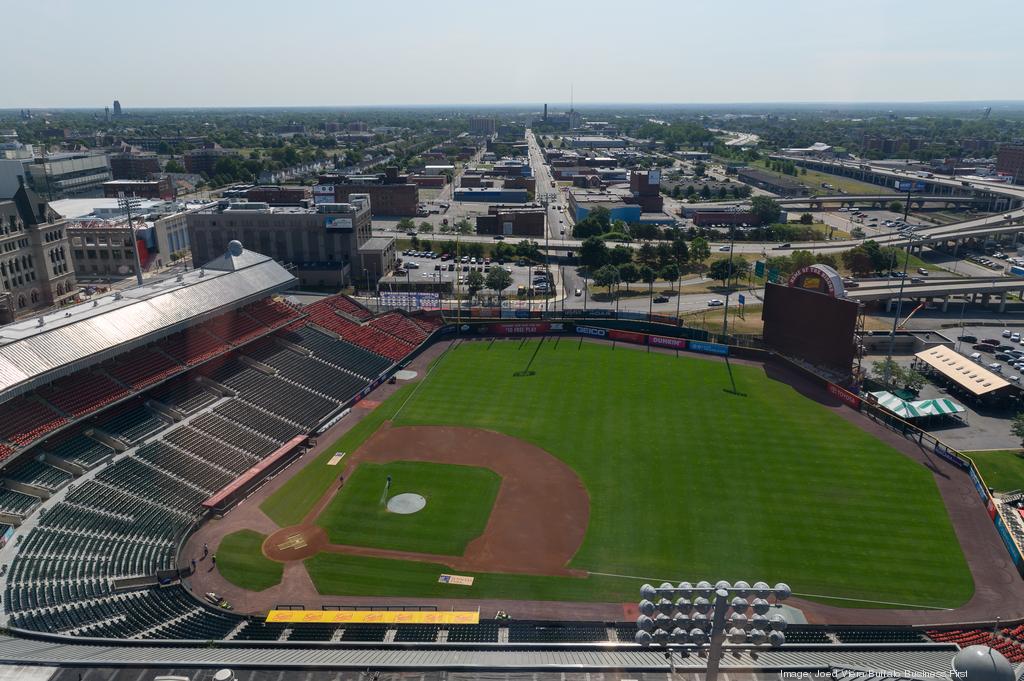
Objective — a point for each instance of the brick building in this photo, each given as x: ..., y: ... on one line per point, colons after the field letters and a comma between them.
x: 390, y: 194
x: 1010, y: 161
x: 275, y: 195
x: 512, y: 221
x: 131, y: 166
x: 203, y: 160
x: 159, y: 188
x: 645, y: 190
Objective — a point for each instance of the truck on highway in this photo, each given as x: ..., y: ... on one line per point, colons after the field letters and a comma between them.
x: 1016, y: 271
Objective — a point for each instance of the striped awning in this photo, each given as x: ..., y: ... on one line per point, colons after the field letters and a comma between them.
x: 917, y: 409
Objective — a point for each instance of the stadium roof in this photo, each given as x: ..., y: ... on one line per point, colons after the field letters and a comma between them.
x: 924, y: 659
x: 969, y: 375
x: 38, y: 350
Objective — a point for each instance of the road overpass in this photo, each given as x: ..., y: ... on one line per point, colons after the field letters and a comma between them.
x: 881, y: 200
x: 979, y: 289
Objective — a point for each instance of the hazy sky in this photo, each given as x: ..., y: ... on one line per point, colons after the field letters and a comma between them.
x: 312, y: 52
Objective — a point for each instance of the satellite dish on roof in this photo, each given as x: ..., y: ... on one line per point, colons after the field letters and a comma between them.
x: 235, y: 248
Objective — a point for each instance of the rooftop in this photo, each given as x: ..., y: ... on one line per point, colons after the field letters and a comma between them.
x: 966, y: 373
x: 39, y: 349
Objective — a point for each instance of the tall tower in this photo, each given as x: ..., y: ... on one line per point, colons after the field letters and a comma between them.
x: 117, y: 108
x: 106, y: 113
x: 545, y: 111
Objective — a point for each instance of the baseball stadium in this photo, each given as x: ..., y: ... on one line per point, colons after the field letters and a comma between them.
x: 205, y: 471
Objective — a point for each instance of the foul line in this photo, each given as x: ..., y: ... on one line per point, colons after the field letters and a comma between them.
x: 835, y: 598
x: 430, y: 370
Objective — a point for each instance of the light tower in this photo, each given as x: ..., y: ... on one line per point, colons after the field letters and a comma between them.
x: 700, y: 617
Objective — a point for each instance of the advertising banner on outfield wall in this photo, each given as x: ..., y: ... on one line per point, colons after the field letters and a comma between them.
x: 627, y: 336
x: 666, y: 342
x: 1004, y: 534
x: 844, y: 396
x: 708, y: 348
x: 945, y: 453
x: 982, y: 492
x: 992, y: 512
x: 594, y: 331
x: 522, y: 329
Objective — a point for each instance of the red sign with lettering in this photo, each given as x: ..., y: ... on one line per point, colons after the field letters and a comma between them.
x: 627, y: 336
x: 666, y: 342
x: 848, y: 398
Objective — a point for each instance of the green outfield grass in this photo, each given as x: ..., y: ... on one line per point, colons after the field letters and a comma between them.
x: 686, y: 480
x: 1002, y: 470
x: 459, y: 501
x: 241, y: 561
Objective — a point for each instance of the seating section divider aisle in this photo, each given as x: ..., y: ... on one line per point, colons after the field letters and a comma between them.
x: 128, y: 520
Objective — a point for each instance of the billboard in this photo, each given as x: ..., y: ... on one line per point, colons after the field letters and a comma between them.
x: 708, y: 348
x: 627, y: 336
x: 410, y: 300
x: 374, y: 616
x: 845, y: 396
x: 666, y: 342
x: 323, y: 193
x: 814, y: 327
x: 980, y: 488
x: 524, y: 328
x: 908, y: 185
x: 944, y: 452
x: 339, y: 223
x: 1011, y: 547
x: 595, y: 331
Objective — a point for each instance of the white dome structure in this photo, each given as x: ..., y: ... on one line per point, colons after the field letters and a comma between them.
x: 981, y: 663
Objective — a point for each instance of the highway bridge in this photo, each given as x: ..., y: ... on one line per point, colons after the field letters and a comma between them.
x: 982, y: 290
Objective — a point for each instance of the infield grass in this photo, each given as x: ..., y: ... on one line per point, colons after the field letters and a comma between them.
x: 459, y: 501
x: 241, y: 561
x: 686, y: 479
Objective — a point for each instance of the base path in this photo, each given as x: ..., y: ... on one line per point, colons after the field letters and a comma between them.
x: 536, y: 525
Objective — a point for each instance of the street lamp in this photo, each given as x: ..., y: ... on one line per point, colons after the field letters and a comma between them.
x: 700, y: 617
x: 732, y: 247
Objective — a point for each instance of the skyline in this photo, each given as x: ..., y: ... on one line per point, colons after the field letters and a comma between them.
x: 235, y: 55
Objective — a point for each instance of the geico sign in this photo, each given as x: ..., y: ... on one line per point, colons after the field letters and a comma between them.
x: 591, y: 331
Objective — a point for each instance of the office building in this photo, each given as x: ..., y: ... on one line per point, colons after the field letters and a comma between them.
x: 275, y: 195
x: 159, y: 188
x: 202, y: 161
x: 645, y: 190
x: 1010, y: 162
x: 133, y: 166
x: 117, y: 108
x: 391, y: 194
x: 481, y: 125
x: 35, y: 264
x: 582, y: 201
x: 491, y: 195
x: 328, y: 245
x: 512, y: 221
x: 61, y: 175
x: 595, y: 142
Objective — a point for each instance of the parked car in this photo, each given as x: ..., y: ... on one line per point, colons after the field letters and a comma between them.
x: 661, y: 299
x: 969, y: 339
x: 1006, y: 333
x: 989, y: 341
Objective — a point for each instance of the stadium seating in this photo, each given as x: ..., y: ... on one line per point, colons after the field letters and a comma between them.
x: 185, y: 395
x: 363, y: 335
x: 38, y: 474
x: 227, y: 431
x: 171, y: 460
x: 876, y: 636
x: 192, y: 346
x: 400, y: 327
x: 556, y: 632
x: 82, y: 392
x: 310, y: 373
x: 806, y: 635
x: 142, y: 367
x: 16, y: 503
x: 207, y: 447
x: 252, y: 417
x: 77, y: 448
x: 130, y: 422
x: 484, y: 632
x: 272, y: 313
x: 339, y: 353
x: 313, y: 632
x: 415, y: 633
x: 26, y: 419
x: 258, y: 630
x: 235, y: 327
x: 364, y: 632
x: 1011, y: 649
x: 275, y: 395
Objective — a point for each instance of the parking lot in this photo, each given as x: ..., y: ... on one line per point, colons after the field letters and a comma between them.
x: 424, y: 269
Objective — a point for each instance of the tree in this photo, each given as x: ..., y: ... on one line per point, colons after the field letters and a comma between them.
x: 680, y: 251
x: 607, y: 276
x: 700, y: 250
x: 896, y: 206
x: 665, y: 255
x: 647, y: 255
x: 405, y: 225
x: 1017, y: 428
x: 699, y: 168
x: 620, y: 255
x: 765, y: 210
x: 173, y: 166
x: 593, y: 253
x: 528, y: 250
x: 629, y: 274
x: 858, y: 261
x: 464, y: 226
x: 857, y: 232
x: 802, y: 259
x: 670, y: 272
x: 498, y: 279
x: 474, y: 282
x: 806, y: 219
x: 724, y: 271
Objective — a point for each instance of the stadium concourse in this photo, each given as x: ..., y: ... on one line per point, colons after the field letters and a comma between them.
x: 128, y: 419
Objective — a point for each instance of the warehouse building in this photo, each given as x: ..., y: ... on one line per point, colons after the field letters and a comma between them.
x: 512, y: 221
x: 771, y: 182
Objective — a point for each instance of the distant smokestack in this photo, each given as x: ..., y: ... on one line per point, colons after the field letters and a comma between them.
x: 545, y: 112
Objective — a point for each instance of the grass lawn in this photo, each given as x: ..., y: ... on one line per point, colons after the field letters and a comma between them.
x: 459, y: 501
x: 1003, y: 470
x: 686, y: 480
x: 240, y: 559
x: 813, y: 179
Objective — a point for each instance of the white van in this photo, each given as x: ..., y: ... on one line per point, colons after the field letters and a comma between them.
x: 996, y: 367
x: 976, y: 356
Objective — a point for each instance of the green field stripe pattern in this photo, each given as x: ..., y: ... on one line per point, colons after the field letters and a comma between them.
x: 240, y: 560
x: 459, y: 502
x: 688, y: 480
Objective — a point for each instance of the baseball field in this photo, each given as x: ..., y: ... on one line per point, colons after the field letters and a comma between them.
x: 603, y: 467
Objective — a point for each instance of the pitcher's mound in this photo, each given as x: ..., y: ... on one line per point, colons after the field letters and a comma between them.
x: 406, y: 503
